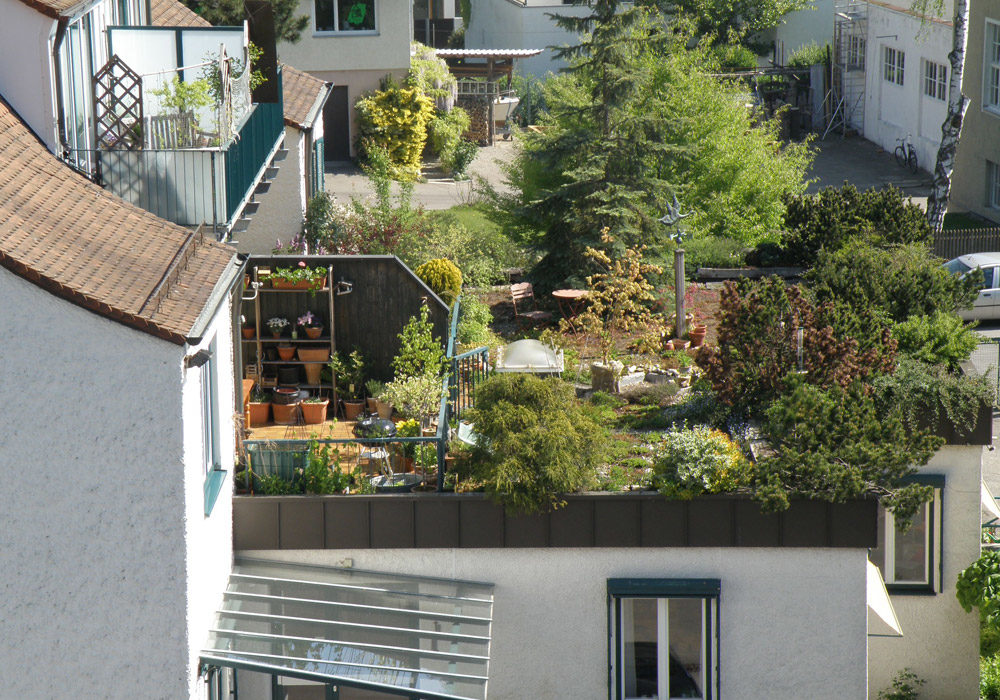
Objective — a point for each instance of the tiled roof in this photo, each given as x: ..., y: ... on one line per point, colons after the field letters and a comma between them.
x: 174, y: 13
x: 53, y: 8
x: 299, y: 93
x: 67, y: 235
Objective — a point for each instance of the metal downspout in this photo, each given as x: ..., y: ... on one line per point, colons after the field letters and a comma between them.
x: 61, y: 26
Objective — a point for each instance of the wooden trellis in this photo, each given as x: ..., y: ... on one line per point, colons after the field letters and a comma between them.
x: 118, y: 105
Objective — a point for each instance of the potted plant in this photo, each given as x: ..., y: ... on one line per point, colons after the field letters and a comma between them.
x: 697, y: 335
x: 404, y: 429
x: 349, y: 373
x: 260, y: 406
x: 314, y: 410
x: 374, y: 387
x: 299, y: 277
x: 277, y: 325
x: 248, y: 331
x: 382, y: 404
x: 414, y: 397
x: 312, y: 325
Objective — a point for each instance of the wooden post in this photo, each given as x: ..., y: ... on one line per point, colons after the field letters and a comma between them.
x: 679, y: 292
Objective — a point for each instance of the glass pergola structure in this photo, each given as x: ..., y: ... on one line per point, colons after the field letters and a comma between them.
x: 409, y: 636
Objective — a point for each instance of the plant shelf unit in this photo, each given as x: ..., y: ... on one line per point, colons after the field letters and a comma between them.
x: 259, y: 350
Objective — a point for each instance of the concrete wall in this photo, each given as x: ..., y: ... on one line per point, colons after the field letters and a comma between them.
x: 792, y: 620
x: 895, y: 111
x: 802, y: 27
x: 26, y: 78
x: 503, y: 24
x: 93, y: 544
x: 283, y: 206
x: 941, y: 641
x: 209, y: 539
x: 980, y: 141
x: 388, y: 50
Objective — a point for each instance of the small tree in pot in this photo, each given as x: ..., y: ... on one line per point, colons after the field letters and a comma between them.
x: 349, y: 374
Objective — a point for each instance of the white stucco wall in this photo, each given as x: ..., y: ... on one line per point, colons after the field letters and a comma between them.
x: 895, y: 111
x: 92, y: 591
x: 793, y: 621
x: 386, y: 50
x: 209, y: 539
x: 26, y: 78
x: 501, y: 24
x: 941, y: 641
x: 110, y: 569
x: 283, y: 206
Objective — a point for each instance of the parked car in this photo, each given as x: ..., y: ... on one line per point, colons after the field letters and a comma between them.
x: 986, y: 266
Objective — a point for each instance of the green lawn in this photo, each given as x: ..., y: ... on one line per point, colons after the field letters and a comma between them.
x: 470, y: 216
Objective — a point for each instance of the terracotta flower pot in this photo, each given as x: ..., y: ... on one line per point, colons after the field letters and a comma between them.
x: 697, y: 335
x: 316, y: 357
x: 277, y: 283
x: 384, y: 409
x: 353, y: 408
x: 275, y: 334
x: 260, y: 414
x: 372, y: 405
x: 680, y: 343
x: 248, y: 332
x: 286, y: 352
x: 284, y: 414
x: 314, y: 332
x: 314, y: 412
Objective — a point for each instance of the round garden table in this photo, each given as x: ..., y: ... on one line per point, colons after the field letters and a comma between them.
x: 570, y: 302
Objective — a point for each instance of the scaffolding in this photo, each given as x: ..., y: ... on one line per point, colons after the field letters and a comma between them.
x: 844, y: 103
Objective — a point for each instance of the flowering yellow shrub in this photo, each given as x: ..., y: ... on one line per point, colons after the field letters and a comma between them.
x: 396, y: 118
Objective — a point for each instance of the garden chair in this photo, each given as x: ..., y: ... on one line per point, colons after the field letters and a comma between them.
x: 522, y: 292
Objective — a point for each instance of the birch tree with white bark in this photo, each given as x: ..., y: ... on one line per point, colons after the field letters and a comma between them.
x: 958, y: 103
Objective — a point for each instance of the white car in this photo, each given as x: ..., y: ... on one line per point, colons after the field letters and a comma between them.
x: 986, y: 268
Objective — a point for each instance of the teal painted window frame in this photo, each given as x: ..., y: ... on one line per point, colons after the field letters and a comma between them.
x: 319, y: 157
x: 214, y: 475
x: 704, y: 589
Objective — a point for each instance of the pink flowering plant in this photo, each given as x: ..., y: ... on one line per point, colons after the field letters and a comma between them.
x: 310, y: 320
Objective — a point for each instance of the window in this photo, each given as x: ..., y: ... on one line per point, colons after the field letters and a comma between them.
x: 205, y: 361
x: 935, y: 80
x: 664, y: 638
x: 909, y: 560
x: 992, y: 185
x: 856, y: 51
x: 345, y: 15
x: 892, y: 65
x: 991, y: 71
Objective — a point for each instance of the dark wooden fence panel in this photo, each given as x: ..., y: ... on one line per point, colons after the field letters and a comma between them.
x: 953, y: 243
x: 414, y: 521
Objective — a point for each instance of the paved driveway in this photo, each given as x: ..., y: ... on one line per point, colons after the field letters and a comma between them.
x: 863, y: 164
x: 345, y: 180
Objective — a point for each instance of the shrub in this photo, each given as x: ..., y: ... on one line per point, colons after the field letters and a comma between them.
x: 481, y: 250
x: 430, y: 74
x: 445, y: 132
x: 922, y: 391
x: 461, y: 157
x: 758, y: 346
x: 420, y: 353
x: 475, y: 318
x: 939, y: 339
x: 808, y: 55
x: 712, y: 251
x: 536, y: 442
x: 905, y: 686
x: 835, y: 444
x: 395, y: 118
x: 698, y: 460
x: 989, y: 678
x: 735, y: 57
x: 901, y: 281
x: 414, y: 396
x: 833, y: 217
x: 443, y: 277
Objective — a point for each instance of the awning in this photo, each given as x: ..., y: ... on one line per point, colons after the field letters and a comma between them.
x: 991, y: 511
x: 884, y: 623
x: 355, y: 628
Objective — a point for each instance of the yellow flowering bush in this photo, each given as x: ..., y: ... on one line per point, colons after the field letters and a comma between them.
x: 396, y: 118
x: 699, y: 460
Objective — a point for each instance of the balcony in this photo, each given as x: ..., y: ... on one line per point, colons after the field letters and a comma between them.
x: 175, y: 130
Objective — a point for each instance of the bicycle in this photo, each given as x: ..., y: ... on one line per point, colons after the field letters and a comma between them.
x: 906, y: 154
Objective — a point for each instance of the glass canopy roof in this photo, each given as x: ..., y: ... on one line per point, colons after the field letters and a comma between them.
x: 365, y: 629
